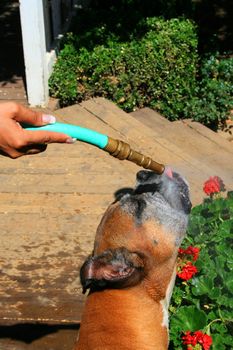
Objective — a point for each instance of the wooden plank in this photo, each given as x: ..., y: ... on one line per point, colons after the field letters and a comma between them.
x: 77, y: 162
x: 78, y: 115
x: 50, y: 207
x: 212, y: 151
x: 53, y: 202
x: 39, y: 273
x: 193, y: 167
x: 33, y: 297
x: 151, y: 118
x: 63, y: 183
x: 12, y: 94
x: 211, y: 135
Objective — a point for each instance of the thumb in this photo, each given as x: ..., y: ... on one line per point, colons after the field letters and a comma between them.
x: 31, y: 117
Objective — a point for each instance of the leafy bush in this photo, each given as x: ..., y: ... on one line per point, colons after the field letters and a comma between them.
x: 157, y: 70
x: 213, y: 100
x: 63, y: 82
x: 205, y: 302
x: 138, y: 62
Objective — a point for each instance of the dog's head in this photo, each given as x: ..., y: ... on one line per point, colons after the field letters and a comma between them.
x: 140, y: 234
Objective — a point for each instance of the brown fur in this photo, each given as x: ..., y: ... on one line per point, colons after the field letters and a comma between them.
x: 130, y: 318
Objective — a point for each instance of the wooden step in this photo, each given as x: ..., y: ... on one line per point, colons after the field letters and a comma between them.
x: 149, y: 117
x: 51, y: 204
x: 152, y: 141
x: 203, y: 144
x: 208, y: 133
x: 157, y: 122
x: 50, y: 207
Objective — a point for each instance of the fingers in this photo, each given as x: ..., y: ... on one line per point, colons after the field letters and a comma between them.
x: 27, y: 150
x: 45, y: 137
x: 27, y: 116
x: 15, y: 141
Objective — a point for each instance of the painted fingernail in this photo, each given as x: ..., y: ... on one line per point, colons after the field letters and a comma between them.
x: 48, y: 119
x: 71, y: 140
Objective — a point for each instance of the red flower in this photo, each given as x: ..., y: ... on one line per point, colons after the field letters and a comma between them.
x: 204, y: 339
x: 189, y: 339
x: 213, y: 185
x: 186, y: 270
x: 193, y: 251
x: 198, y: 337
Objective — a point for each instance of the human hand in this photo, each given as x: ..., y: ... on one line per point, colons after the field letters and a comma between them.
x: 16, y: 141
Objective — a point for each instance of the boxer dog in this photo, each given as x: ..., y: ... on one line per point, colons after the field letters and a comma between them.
x: 132, y: 270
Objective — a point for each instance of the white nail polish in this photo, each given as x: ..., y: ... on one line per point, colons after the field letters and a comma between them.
x: 48, y: 119
x: 71, y: 140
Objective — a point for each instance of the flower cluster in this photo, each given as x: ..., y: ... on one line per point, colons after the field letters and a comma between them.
x: 193, y: 251
x: 194, y: 332
x: 185, y: 267
x: 213, y: 185
x: 197, y: 340
x: 186, y: 271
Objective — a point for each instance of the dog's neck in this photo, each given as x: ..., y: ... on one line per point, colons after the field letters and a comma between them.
x: 106, y: 311
x: 145, y: 319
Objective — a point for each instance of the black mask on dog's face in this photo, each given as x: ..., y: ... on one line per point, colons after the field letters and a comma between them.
x: 170, y: 185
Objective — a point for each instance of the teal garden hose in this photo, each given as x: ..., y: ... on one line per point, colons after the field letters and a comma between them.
x: 117, y: 148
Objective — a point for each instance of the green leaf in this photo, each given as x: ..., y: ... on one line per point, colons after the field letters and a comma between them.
x: 217, y: 342
x: 219, y: 328
x: 225, y: 301
x: 189, y: 318
x: 229, y: 281
x: 215, y: 293
x: 202, y: 285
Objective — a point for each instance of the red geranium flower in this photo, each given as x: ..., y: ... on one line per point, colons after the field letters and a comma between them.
x: 195, y: 338
x: 186, y: 270
x: 193, y: 251
x: 213, y: 185
x: 189, y: 339
x: 204, y: 339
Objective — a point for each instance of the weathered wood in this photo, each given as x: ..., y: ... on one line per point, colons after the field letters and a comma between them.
x: 211, y: 135
x: 196, y: 166
x: 65, y: 183
x: 50, y: 206
x: 213, y: 150
x: 21, y: 203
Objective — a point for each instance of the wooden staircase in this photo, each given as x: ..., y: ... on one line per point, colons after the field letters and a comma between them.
x: 203, y: 148
x: 51, y: 204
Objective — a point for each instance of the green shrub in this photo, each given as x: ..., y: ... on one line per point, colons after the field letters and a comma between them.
x: 213, y: 100
x: 204, y: 302
x: 157, y: 70
x: 63, y: 82
x: 155, y: 65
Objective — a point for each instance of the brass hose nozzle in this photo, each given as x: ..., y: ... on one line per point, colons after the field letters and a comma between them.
x: 122, y: 150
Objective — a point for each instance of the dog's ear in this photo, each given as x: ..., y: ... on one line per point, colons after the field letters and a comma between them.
x: 116, y: 268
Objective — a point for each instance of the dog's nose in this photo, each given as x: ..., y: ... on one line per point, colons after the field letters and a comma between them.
x: 144, y: 175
